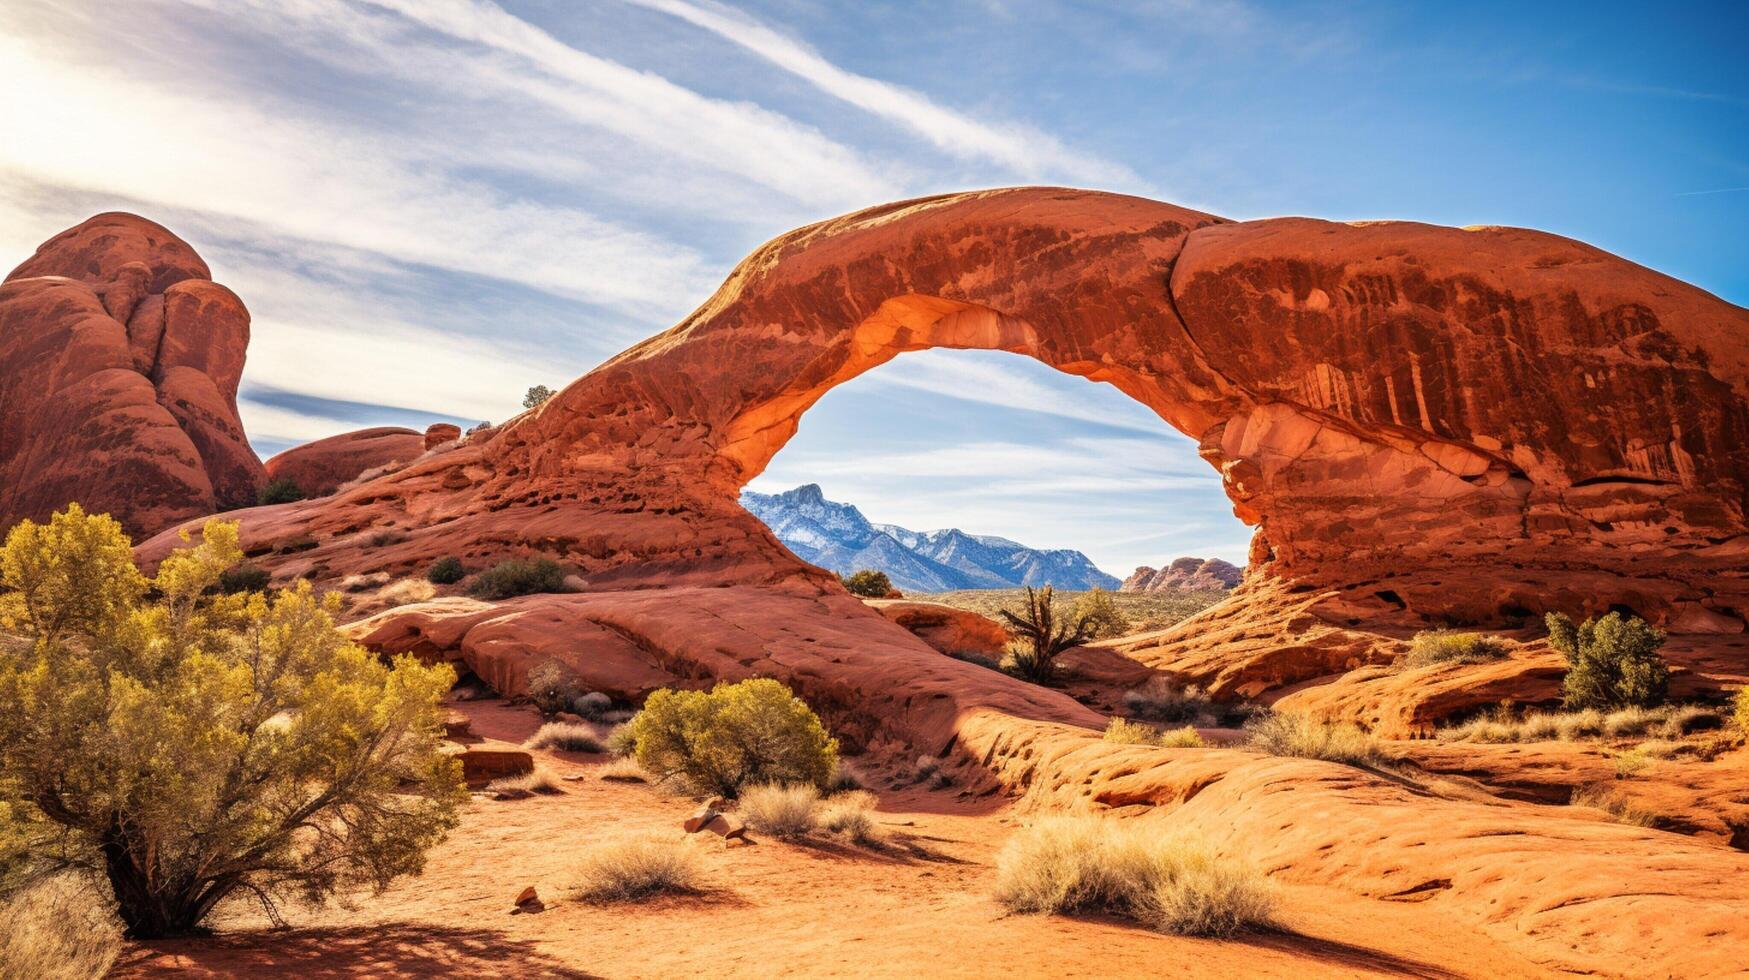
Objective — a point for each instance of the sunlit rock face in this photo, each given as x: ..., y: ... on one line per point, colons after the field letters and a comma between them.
x: 119, y: 365
x: 1437, y: 423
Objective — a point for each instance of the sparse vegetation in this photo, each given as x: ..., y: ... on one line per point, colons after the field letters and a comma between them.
x: 191, y: 746
x: 58, y: 928
x: 591, y: 705
x: 518, y: 576
x: 1665, y: 721
x: 636, y: 867
x: 1128, y: 732
x: 622, y: 741
x: 751, y: 732
x: 536, y: 783
x: 243, y: 578
x: 1631, y: 763
x: 1305, y: 737
x: 388, y: 536
x: 850, y: 815
x: 1145, y: 610
x: 565, y: 736
x: 1615, y: 803
x: 1612, y: 662
x: 1740, y: 716
x: 1040, y: 637
x: 1160, y: 700
x: 445, y: 571
x: 624, y: 769
x: 280, y: 491
x: 1447, y: 647
x: 868, y: 583
x: 536, y: 395
x: 552, y: 687
x: 1068, y: 865
x: 780, y: 809
x: 1104, y: 619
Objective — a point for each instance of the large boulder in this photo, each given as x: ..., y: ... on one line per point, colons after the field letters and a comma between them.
x: 319, y: 468
x: 119, y: 365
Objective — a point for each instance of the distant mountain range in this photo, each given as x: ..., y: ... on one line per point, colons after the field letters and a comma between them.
x: 837, y: 536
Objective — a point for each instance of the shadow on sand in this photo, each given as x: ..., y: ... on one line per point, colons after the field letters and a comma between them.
x: 390, y: 949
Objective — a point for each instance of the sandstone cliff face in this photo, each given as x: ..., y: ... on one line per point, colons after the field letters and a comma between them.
x: 320, y: 467
x: 119, y: 365
x: 1184, y: 573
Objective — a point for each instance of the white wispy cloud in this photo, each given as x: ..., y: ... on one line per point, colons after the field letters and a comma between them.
x: 1027, y: 152
x: 1008, y: 387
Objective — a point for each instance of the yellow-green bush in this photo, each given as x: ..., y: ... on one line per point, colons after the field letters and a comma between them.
x: 754, y: 731
x: 1104, y: 619
x: 1448, y: 647
x: 1612, y: 661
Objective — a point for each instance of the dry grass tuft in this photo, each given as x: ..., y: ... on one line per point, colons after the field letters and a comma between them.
x: 1160, y: 700
x: 1668, y: 721
x: 636, y: 867
x: 624, y: 769
x: 1126, y: 732
x: 1174, y: 884
x: 1305, y: 737
x: 1446, y: 647
x: 1614, y: 803
x: 565, y: 736
x: 850, y: 814
x: 779, y: 809
x: 58, y: 929
x: 539, y: 782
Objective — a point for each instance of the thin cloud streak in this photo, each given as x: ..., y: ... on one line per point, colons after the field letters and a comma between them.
x: 1025, y: 151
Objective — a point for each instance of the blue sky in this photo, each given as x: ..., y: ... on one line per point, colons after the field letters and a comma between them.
x: 430, y: 205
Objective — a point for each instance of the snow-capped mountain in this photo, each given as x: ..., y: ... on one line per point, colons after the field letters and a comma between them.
x: 836, y: 536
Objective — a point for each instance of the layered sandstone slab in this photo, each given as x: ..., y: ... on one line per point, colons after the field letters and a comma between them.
x: 120, y: 360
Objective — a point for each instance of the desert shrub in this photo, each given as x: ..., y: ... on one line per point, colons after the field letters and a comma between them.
x: 1127, y: 732
x: 192, y: 746
x: 1099, y: 610
x: 403, y: 591
x: 536, y: 396
x: 364, y: 582
x: 518, y: 576
x: 1163, y: 701
x: 1040, y: 637
x: 281, y: 491
x: 538, y: 782
x: 1665, y: 721
x: 623, y: 741
x: 850, y: 814
x: 1631, y: 763
x: 1740, y: 713
x: 1614, y: 803
x: 1447, y: 647
x: 1629, y: 721
x: 780, y: 809
x: 868, y: 583
x: 58, y: 928
x: 447, y: 570
x: 633, y: 868
x: 1612, y: 662
x: 243, y: 578
x: 1305, y: 737
x: 591, y: 705
x: 754, y: 731
x: 386, y: 537
x: 624, y: 769
x: 565, y: 736
x: 1689, y: 718
x: 844, y: 779
x: 552, y: 686
x: 1173, y: 884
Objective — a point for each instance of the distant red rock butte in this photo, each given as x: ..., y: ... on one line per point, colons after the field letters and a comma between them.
x: 1184, y: 573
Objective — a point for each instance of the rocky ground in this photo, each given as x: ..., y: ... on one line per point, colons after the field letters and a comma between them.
x: 918, y: 904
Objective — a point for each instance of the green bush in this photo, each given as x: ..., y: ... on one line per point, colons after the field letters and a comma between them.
x: 518, y: 577
x: 445, y: 571
x: 1612, y: 662
x: 869, y: 584
x: 1104, y: 619
x: 243, y: 578
x: 536, y: 396
x: 754, y: 731
x: 280, y: 491
x: 1446, y: 647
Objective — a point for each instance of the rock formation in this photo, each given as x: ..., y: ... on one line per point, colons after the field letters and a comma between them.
x: 319, y: 468
x: 1184, y: 573
x: 1470, y: 425
x: 119, y: 365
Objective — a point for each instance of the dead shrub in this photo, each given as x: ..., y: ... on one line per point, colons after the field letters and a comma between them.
x: 1616, y: 804
x: 780, y: 809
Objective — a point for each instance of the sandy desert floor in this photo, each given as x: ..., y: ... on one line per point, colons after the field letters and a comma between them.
x: 918, y: 905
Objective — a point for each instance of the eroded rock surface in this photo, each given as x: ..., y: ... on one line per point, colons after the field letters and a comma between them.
x: 321, y: 467
x: 119, y: 365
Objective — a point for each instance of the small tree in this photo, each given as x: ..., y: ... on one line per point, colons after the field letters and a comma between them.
x: 447, y: 570
x: 1040, y: 636
x: 194, y: 745
x: 1612, y: 662
x: 536, y: 395
x: 754, y: 731
x: 1104, y: 618
x: 283, y: 490
x: 868, y: 583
